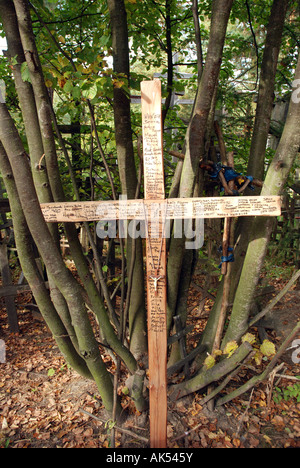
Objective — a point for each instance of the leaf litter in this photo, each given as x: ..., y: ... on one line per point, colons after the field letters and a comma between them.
x: 45, y: 404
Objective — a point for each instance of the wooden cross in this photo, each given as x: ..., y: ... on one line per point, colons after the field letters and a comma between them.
x: 147, y: 209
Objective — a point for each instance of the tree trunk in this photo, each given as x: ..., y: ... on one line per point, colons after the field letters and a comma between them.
x: 266, y: 89
x: 27, y: 102
x: 66, y: 340
x: 257, y: 153
x: 207, y: 376
x: 274, y: 184
x: 127, y: 170
x: 48, y: 143
x: 65, y: 282
x: 195, y: 137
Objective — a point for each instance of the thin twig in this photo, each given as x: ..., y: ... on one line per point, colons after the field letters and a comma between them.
x: 255, y: 42
x: 245, y: 413
x: 271, y: 382
x: 108, y: 172
x: 118, y: 428
x: 288, y: 377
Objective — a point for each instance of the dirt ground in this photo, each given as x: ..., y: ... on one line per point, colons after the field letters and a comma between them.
x: 44, y: 404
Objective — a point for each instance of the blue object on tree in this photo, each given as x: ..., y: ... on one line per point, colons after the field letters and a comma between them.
x: 229, y: 174
x: 227, y: 259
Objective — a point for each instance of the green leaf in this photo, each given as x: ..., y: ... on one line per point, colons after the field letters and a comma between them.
x: 51, y: 372
x: 76, y: 93
x: 91, y: 92
x: 68, y: 88
x: 25, y: 73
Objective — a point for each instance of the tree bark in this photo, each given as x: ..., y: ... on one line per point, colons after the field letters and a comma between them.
x: 31, y: 124
x: 66, y: 340
x: 27, y: 102
x: 127, y: 170
x: 46, y: 131
x: 123, y: 130
x: 274, y: 184
x: 260, y: 378
x: 266, y: 89
x: 207, y: 376
x: 65, y: 282
x: 195, y: 137
x: 257, y: 153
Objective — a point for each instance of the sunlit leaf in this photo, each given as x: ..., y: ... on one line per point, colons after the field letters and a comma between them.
x: 249, y: 338
x: 230, y: 348
x: 268, y: 348
x: 209, y: 362
x: 258, y: 357
x: 25, y: 72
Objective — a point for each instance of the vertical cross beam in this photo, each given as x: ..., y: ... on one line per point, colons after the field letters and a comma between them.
x: 156, y: 261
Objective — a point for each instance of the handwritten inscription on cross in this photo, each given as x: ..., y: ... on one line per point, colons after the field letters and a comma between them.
x: 156, y: 257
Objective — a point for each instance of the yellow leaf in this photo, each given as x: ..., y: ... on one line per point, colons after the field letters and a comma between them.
x: 258, y: 357
x: 230, y: 348
x: 267, y: 439
x: 209, y: 362
x: 249, y: 338
x: 63, y: 61
x: 118, y: 83
x: 268, y: 348
x: 62, y: 39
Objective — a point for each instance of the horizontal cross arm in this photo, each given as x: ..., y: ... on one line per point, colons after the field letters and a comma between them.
x: 176, y: 208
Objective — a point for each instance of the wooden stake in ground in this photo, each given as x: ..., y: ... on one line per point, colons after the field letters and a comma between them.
x: 156, y: 261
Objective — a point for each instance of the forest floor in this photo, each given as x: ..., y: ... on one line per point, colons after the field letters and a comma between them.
x: 44, y: 404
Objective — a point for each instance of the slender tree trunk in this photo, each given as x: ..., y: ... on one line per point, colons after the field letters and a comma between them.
x: 266, y: 89
x: 68, y: 286
x: 45, y: 123
x: 27, y: 102
x: 66, y: 339
x: 127, y: 170
x: 208, y: 376
x: 31, y: 124
x: 275, y: 181
x: 195, y: 10
x: 195, y: 137
x: 257, y: 153
x: 170, y: 73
